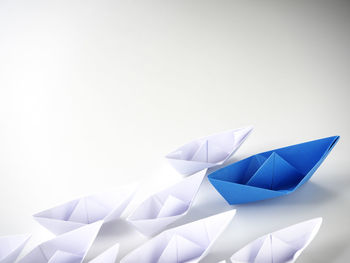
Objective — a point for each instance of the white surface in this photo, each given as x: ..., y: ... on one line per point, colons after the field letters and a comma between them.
x: 93, y: 94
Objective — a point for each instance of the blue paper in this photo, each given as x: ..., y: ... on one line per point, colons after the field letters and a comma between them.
x: 273, y: 173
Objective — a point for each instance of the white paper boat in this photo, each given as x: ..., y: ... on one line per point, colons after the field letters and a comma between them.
x: 283, y: 246
x: 187, y: 243
x: 65, y: 257
x: 11, y: 247
x: 70, y: 247
x: 83, y: 211
x: 108, y: 256
x: 208, y: 151
x: 163, y: 208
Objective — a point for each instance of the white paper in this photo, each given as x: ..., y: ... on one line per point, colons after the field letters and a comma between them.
x: 187, y: 243
x: 108, y: 256
x: 208, y: 151
x: 70, y: 247
x: 83, y: 211
x: 165, y: 207
x: 283, y: 246
x: 11, y: 247
x: 65, y: 257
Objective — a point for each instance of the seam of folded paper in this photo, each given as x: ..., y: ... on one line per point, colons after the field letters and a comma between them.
x: 169, y: 238
x: 87, y: 211
x: 273, y: 173
x: 72, y: 209
x: 307, y: 175
x: 125, y: 201
x: 238, y: 145
x: 326, y: 151
x: 43, y: 253
x: 60, y: 221
x: 152, y: 219
x: 92, y: 240
x: 221, y: 230
x: 157, y: 199
x: 335, y: 141
x: 273, y: 155
x: 229, y: 154
x: 190, y: 241
x: 183, y: 202
x: 159, y: 218
x: 83, y: 200
x: 69, y: 214
x: 98, y: 202
x: 208, y: 136
x: 204, y: 249
x: 114, y: 248
x: 312, y: 235
x: 20, y: 245
x: 40, y: 214
x: 234, y: 148
x: 297, y: 252
x: 250, y: 186
x: 259, y: 169
x: 190, y: 161
x: 206, y: 142
x: 155, y: 196
x: 171, y: 232
x: 101, y: 204
x: 177, y: 252
x: 206, y: 232
x: 270, y: 237
x: 294, y: 249
x: 287, y: 161
x: 131, y: 217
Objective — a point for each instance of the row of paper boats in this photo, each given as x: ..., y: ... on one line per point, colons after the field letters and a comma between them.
x: 187, y: 243
x: 262, y: 176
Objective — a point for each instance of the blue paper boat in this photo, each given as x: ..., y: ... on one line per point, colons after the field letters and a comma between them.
x: 271, y: 174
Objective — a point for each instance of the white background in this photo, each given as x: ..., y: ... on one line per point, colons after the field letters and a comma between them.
x: 93, y: 94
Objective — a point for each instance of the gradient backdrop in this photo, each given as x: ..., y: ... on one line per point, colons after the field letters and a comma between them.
x: 94, y: 93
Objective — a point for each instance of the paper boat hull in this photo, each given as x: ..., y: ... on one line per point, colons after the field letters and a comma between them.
x: 232, y: 181
x: 239, y: 194
x: 207, y: 152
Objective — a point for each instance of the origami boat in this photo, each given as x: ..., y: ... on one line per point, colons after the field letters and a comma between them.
x: 165, y: 207
x: 208, y: 151
x: 70, y: 247
x: 11, y: 247
x: 83, y: 211
x: 273, y: 173
x: 187, y: 243
x: 283, y: 246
